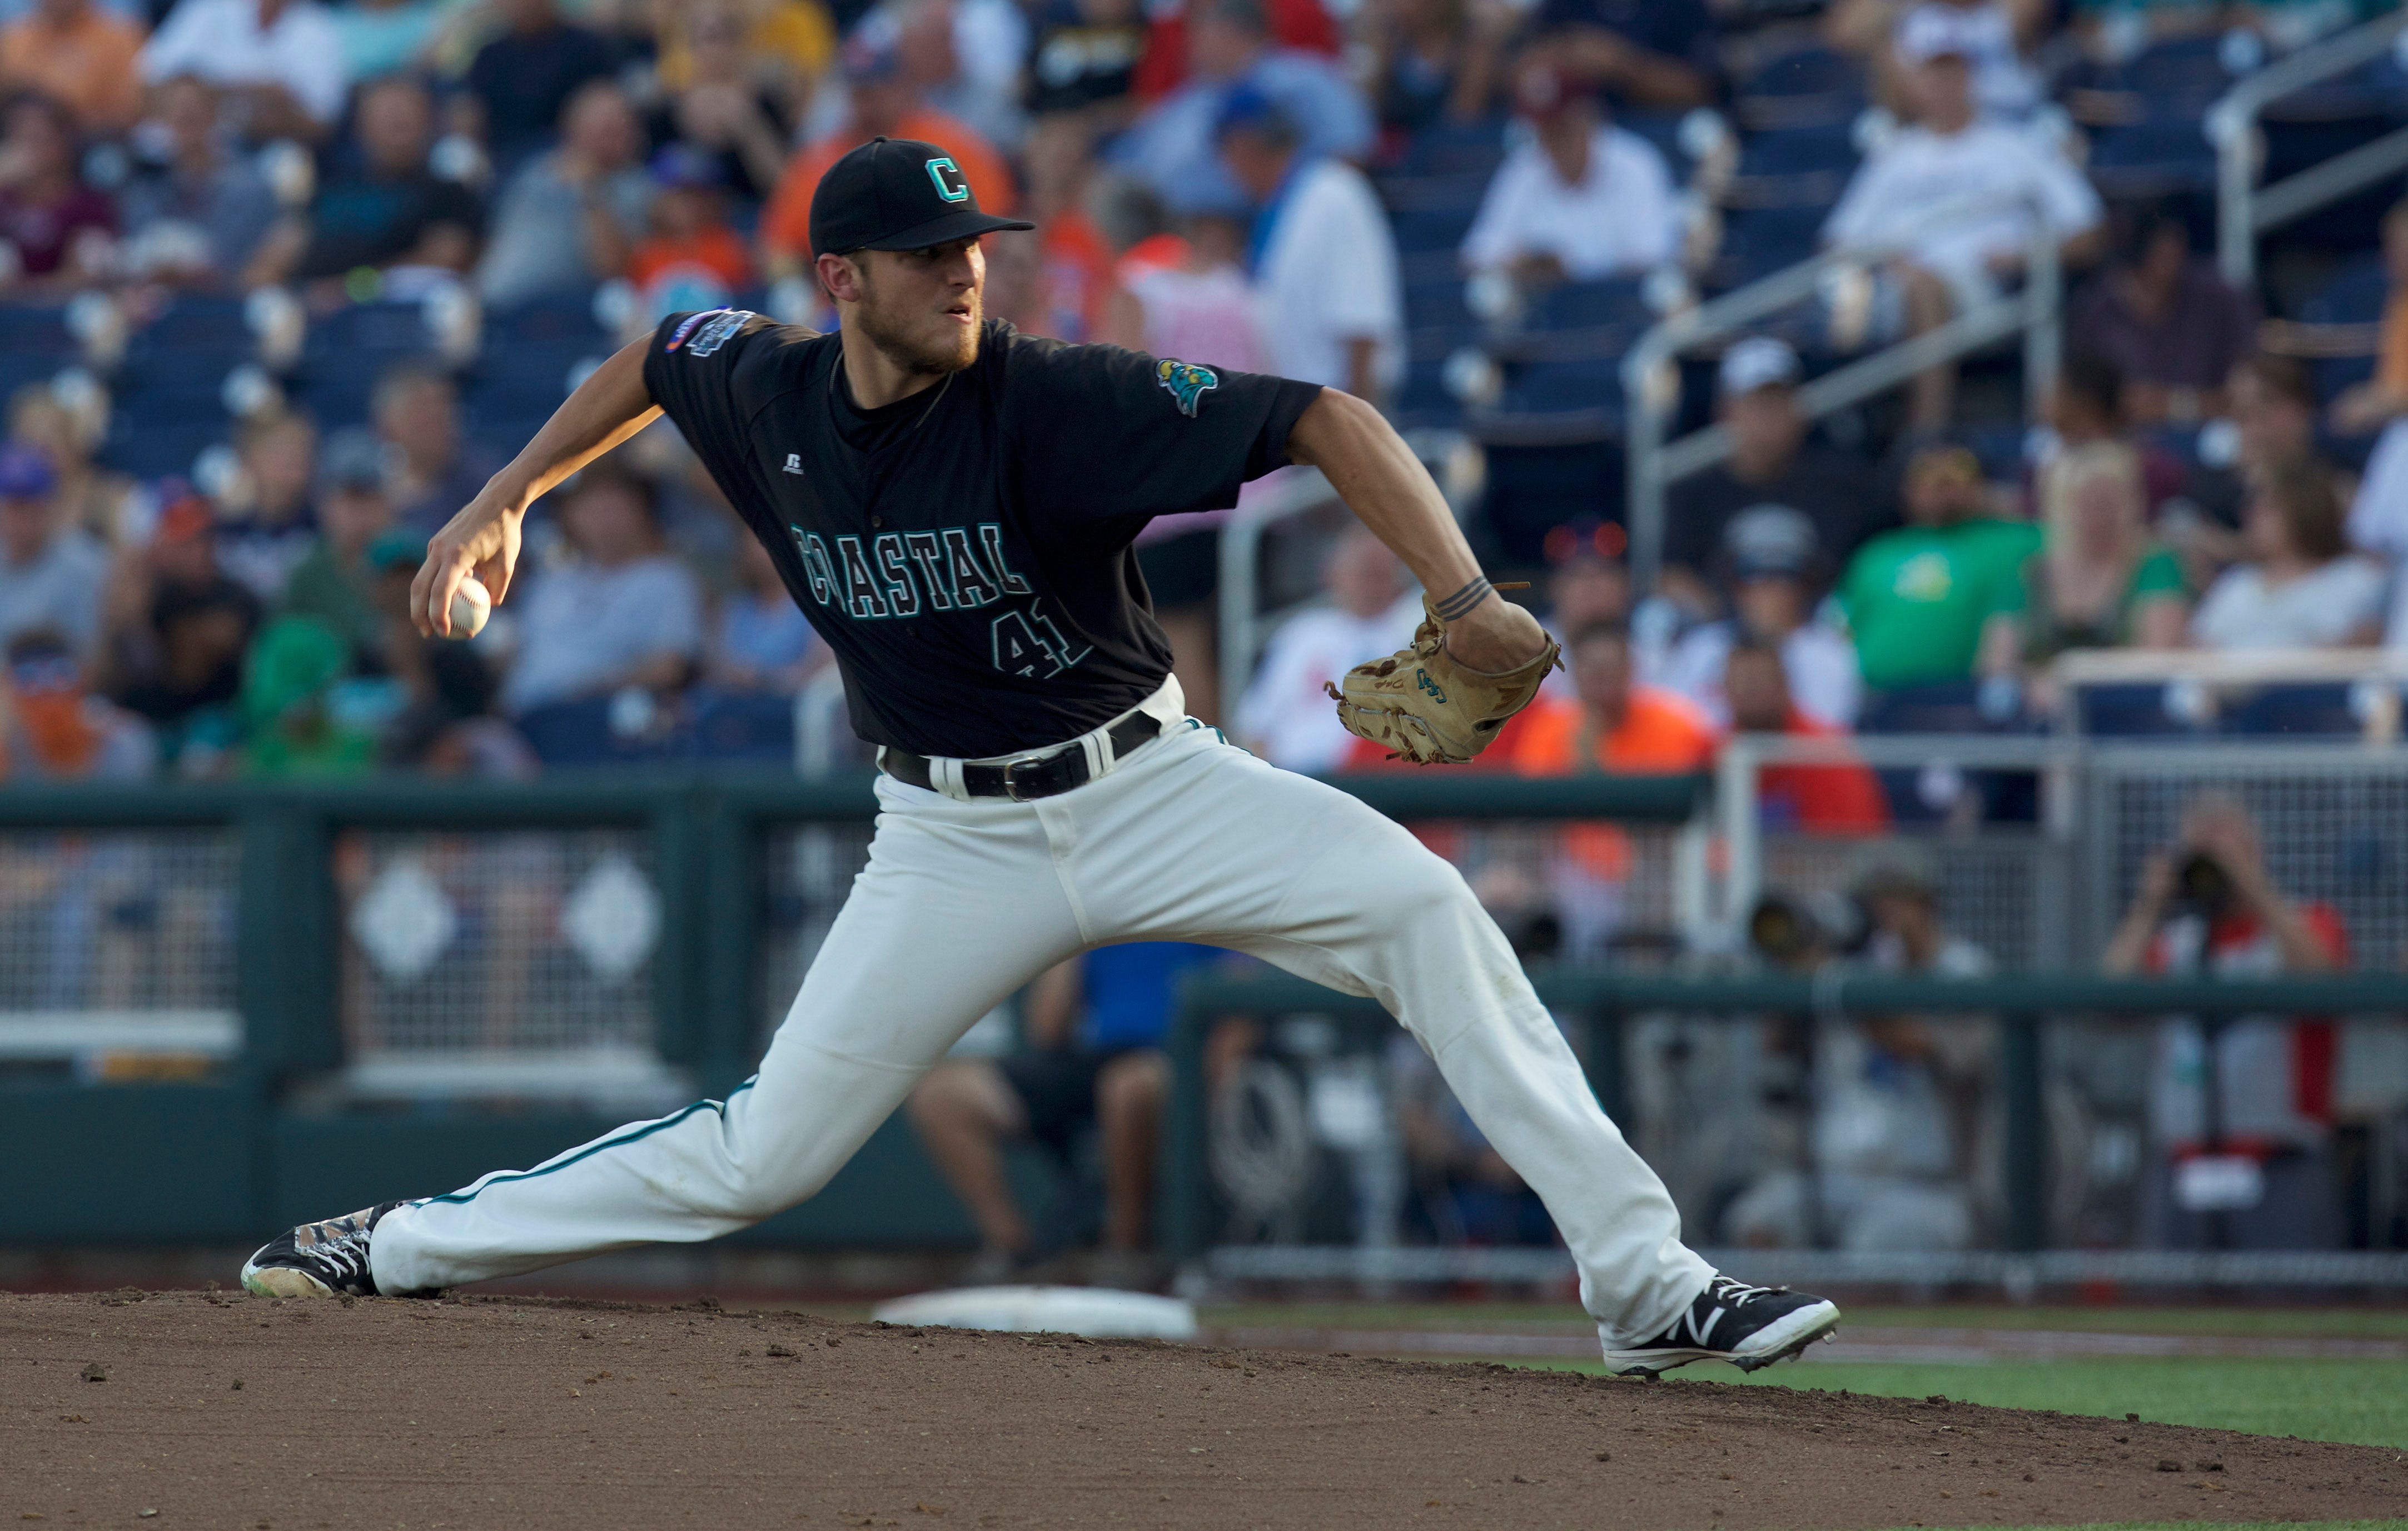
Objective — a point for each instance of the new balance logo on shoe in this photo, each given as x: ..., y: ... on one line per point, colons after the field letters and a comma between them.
x: 1749, y: 1326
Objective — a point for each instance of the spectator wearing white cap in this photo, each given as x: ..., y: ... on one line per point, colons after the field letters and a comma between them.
x: 1580, y: 199
x: 1772, y: 462
x: 1991, y: 40
x: 1772, y: 554
x: 1987, y: 178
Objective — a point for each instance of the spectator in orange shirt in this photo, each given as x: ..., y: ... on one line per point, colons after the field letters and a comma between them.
x: 79, y: 53
x: 692, y: 259
x: 1616, y: 725
x: 1834, y: 800
x: 885, y: 104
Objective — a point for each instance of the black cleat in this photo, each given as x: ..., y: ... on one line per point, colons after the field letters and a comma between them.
x: 317, y: 1259
x: 1749, y: 1326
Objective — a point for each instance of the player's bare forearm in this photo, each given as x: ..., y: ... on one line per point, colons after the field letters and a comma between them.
x: 483, y: 538
x: 1389, y: 491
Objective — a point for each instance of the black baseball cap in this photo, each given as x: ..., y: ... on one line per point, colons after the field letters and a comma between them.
x: 897, y: 193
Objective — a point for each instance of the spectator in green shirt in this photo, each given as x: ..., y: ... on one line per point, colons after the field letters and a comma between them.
x: 1916, y: 598
x: 332, y: 583
x: 2099, y: 580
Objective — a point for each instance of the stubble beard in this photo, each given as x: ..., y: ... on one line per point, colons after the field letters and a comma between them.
x: 922, y: 357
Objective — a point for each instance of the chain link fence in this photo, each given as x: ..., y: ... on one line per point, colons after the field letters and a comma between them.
x: 117, y: 950
x: 479, y: 964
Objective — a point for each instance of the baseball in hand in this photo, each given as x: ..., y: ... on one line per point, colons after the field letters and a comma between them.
x: 471, y: 604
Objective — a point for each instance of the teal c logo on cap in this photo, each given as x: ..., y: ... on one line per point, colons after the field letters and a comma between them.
x: 951, y: 183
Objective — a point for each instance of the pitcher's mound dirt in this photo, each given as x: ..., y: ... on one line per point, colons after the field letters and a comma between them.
x: 231, y: 1411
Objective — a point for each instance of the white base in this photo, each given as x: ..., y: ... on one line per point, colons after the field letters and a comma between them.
x: 1098, y: 1312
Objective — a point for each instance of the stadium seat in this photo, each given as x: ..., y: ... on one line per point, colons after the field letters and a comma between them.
x: 2321, y: 711
x: 1808, y: 86
x: 2336, y: 328
x: 1757, y: 242
x: 1455, y: 149
x: 2161, y: 157
x: 2127, y: 712
x: 568, y: 318
x: 579, y: 733
x: 194, y: 322
x: 729, y: 726
x: 154, y: 450
x: 1620, y: 304
x: 18, y: 370
x: 39, y: 329
x: 1950, y: 707
x: 1433, y: 227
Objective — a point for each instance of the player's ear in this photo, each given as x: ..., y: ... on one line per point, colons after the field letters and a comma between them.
x: 841, y: 276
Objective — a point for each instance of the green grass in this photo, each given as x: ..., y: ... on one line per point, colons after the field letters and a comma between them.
x: 2362, y: 1402
x: 2194, y: 1525
x: 2364, y: 1323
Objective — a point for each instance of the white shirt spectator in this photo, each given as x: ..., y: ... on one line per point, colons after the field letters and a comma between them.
x: 584, y: 626
x: 2318, y: 610
x: 222, y: 42
x: 59, y: 590
x: 1328, y: 276
x: 1890, y: 200
x: 1286, y: 712
x: 1619, y: 218
x: 2378, y: 518
x: 1819, y: 661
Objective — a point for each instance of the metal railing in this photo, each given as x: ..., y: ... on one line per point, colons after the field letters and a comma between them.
x: 2243, y: 208
x: 1607, y: 999
x: 1653, y: 465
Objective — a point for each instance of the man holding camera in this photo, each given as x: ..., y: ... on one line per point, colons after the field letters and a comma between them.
x: 2243, y: 1110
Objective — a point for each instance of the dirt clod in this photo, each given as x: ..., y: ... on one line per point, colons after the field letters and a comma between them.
x: 95, y: 1372
x: 2167, y: 1464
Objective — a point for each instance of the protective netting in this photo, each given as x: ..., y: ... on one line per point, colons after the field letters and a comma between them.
x: 117, y: 920
x: 486, y: 945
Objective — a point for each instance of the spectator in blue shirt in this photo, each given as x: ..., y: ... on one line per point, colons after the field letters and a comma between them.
x: 1094, y: 1028
x: 1171, y: 147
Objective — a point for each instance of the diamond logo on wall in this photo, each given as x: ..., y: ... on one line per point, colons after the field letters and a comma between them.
x: 613, y: 919
x: 406, y: 922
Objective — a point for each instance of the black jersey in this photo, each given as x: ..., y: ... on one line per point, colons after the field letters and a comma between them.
x: 965, y: 551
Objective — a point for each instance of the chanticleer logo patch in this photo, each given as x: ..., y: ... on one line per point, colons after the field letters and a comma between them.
x: 1186, y: 382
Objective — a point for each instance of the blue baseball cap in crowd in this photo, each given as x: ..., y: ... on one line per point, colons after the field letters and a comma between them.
x: 25, y: 473
x: 897, y: 193
x: 1248, y: 108
x: 686, y: 167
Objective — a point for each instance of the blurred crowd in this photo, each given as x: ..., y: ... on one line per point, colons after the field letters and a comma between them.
x: 1237, y: 182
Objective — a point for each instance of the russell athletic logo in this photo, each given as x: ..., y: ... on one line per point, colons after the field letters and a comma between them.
x: 1185, y: 383
x: 951, y: 183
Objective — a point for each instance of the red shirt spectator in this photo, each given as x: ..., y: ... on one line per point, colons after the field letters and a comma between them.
x: 1839, y: 798
x: 46, y: 211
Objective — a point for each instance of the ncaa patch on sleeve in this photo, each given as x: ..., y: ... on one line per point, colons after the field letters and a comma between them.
x: 1185, y: 383
x: 711, y: 335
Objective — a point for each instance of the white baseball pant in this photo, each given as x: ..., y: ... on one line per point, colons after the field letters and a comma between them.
x: 1189, y: 838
